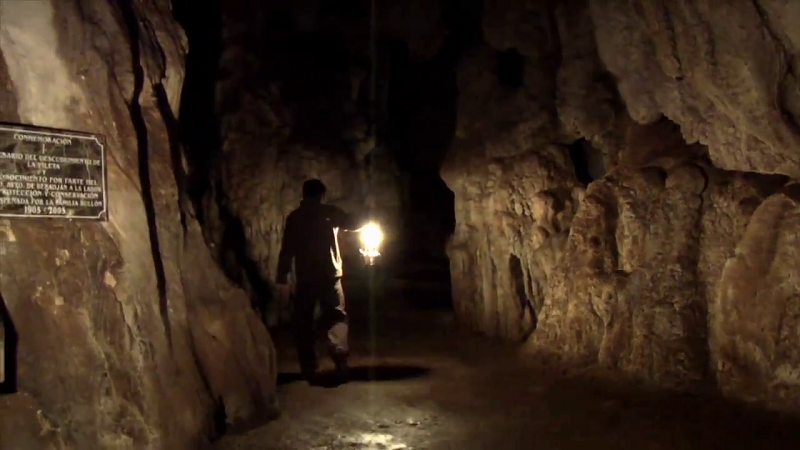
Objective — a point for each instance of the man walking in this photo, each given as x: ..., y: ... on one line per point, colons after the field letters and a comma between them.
x: 310, y: 238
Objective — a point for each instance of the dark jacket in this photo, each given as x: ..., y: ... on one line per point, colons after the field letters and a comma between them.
x: 310, y: 238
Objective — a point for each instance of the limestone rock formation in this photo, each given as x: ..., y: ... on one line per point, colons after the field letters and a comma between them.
x: 129, y: 334
x: 671, y: 304
x: 726, y: 73
x: 676, y: 266
x: 515, y: 193
x: 755, y: 314
x: 639, y: 272
x: 513, y: 215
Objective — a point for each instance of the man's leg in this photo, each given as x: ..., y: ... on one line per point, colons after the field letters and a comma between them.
x: 304, y: 333
x: 334, y: 323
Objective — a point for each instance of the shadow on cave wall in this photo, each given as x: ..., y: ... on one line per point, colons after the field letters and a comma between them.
x: 199, y: 126
x: 518, y: 279
x: 510, y: 68
x: 200, y: 132
x: 582, y: 155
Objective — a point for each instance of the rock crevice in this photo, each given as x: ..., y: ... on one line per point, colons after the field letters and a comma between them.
x: 140, y: 128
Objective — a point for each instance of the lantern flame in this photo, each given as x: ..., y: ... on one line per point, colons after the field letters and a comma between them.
x: 371, y: 238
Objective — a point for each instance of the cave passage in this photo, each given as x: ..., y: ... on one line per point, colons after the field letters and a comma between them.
x: 417, y: 378
x: 589, y: 227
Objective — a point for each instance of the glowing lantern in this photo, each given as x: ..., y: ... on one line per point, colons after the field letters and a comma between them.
x: 371, y: 238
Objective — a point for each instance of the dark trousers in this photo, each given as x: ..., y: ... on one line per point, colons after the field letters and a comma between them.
x: 332, y: 322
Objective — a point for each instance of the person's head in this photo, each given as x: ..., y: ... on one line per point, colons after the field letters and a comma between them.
x: 314, y: 190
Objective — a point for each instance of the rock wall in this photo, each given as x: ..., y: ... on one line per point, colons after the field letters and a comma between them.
x: 754, y: 317
x: 727, y: 74
x: 515, y: 187
x: 675, y: 267
x: 639, y: 274
x: 129, y: 334
x: 513, y: 214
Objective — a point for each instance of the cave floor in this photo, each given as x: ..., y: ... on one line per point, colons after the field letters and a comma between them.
x: 434, y: 387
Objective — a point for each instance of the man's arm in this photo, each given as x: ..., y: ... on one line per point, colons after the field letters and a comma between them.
x: 287, y: 252
x: 345, y: 221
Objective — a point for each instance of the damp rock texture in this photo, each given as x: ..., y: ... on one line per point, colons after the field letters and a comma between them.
x: 676, y: 265
x: 636, y: 286
x: 515, y: 186
x: 755, y: 314
x: 129, y: 334
x: 514, y: 216
x: 726, y: 73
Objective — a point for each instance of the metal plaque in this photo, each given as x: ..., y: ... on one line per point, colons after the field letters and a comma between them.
x: 52, y: 173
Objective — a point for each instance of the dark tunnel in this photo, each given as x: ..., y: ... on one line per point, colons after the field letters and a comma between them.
x: 411, y: 105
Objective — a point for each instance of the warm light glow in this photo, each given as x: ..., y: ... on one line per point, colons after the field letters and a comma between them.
x: 371, y: 237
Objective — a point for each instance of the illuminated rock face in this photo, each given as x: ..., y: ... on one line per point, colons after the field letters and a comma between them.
x: 677, y: 265
x: 129, y: 334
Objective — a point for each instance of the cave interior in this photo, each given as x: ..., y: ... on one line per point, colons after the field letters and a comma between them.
x: 589, y: 212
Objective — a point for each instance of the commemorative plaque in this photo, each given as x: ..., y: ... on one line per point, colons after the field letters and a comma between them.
x: 52, y: 173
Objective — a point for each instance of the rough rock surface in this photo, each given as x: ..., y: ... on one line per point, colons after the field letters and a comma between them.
x: 121, y: 344
x: 756, y: 313
x: 514, y: 213
x: 637, y: 280
x: 677, y: 266
x: 726, y: 73
x: 515, y: 194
